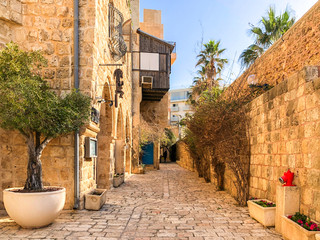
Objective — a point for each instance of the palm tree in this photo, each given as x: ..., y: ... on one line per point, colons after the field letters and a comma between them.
x: 210, y: 61
x: 272, y: 28
x: 199, y: 82
x: 249, y: 55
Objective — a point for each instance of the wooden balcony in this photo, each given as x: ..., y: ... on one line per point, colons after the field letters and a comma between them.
x: 155, y: 65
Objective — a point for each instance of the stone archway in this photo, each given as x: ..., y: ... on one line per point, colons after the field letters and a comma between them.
x: 119, y: 165
x: 105, y: 141
x: 128, y: 147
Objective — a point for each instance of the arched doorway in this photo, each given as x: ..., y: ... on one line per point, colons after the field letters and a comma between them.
x: 120, y: 144
x: 105, y: 141
x: 128, y: 146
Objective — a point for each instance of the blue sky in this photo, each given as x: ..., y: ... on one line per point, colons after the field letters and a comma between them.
x: 188, y: 22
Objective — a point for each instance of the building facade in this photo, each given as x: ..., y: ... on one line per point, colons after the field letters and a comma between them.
x: 90, y: 46
x: 153, y: 58
x: 179, y: 108
x: 77, y: 41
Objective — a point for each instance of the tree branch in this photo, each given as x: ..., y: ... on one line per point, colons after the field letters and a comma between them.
x: 43, y: 144
x: 24, y: 133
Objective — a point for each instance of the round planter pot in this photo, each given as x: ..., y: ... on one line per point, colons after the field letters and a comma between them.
x: 36, y: 209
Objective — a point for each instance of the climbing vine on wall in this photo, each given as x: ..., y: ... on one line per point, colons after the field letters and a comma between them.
x: 218, y: 136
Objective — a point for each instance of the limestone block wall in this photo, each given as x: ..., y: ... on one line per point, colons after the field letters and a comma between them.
x: 284, y: 128
x: 285, y: 124
x: 298, y: 47
x: 46, y: 26
x: 184, y: 158
x: 10, y: 16
x: 99, y: 83
x: 156, y: 111
x: 11, y: 10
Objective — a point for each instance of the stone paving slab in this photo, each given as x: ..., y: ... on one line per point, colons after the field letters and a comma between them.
x: 171, y: 203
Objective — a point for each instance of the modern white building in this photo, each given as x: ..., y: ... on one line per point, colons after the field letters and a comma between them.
x: 179, y: 107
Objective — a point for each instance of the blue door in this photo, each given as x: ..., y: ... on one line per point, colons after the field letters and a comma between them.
x: 147, y: 155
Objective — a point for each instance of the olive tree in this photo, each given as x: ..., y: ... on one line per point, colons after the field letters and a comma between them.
x: 28, y: 105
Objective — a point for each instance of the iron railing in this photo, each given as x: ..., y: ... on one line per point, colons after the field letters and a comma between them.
x: 117, y: 45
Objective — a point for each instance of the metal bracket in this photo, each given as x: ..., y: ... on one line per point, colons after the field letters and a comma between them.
x: 110, y: 64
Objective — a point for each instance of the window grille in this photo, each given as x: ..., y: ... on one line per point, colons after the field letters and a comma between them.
x: 117, y: 45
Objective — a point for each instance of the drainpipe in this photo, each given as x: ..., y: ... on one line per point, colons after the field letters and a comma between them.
x: 76, y: 85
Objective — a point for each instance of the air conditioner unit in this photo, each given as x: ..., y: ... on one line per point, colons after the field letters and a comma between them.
x: 147, y: 81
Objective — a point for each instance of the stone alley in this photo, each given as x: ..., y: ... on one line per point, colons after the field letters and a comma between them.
x: 171, y: 203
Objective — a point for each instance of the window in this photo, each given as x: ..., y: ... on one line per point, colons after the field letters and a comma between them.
x: 183, y: 95
x: 149, y: 61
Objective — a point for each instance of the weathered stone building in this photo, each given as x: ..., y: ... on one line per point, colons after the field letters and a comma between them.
x: 152, y: 103
x: 55, y: 28
x: 89, y: 45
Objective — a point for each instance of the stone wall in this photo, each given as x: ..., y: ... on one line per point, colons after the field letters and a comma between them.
x: 184, y: 158
x: 285, y: 134
x: 10, y: 16
x: 99, y: 82
x: 46, y: 26
x: 285, y: 121
x: 298, y: 47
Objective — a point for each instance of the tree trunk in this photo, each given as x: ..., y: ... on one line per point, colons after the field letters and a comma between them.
x: 34, y: 174
x: 34, y: 171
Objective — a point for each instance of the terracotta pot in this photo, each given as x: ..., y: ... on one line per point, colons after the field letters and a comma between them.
x: 34, y: 210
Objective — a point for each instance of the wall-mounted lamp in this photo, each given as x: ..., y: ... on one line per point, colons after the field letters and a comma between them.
x: 101, y: 100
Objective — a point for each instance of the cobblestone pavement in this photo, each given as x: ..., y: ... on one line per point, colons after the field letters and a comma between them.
x: 172, y: 203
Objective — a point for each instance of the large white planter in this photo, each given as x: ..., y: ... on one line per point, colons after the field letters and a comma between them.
x: 265, y: 215
x: 293, y: 231
x: 34, y: 210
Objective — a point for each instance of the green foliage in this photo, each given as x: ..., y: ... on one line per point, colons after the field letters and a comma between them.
x: 26, y: 102
x: 168, y: 138
x: 211, y: 63
x: 304, y: 221
x: 264, y: 203
x: 270, y: 29
x: 217, y: 135
x: 249, y: 55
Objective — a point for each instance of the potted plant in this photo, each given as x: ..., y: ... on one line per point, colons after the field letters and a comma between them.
x: 299, y: 227
x: 95, y: 199
x: 118, y: 179
x: 264, y: 211
x: 29, y: 106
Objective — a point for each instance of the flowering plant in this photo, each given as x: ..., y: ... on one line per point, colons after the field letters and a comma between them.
x: 304, y: 222
x: 264, y: 203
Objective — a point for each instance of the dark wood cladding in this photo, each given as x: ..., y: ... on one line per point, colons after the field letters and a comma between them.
x: 151, y: 45
x: 153, y: 94
x: 160, y: 79
x: 161, y: 82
